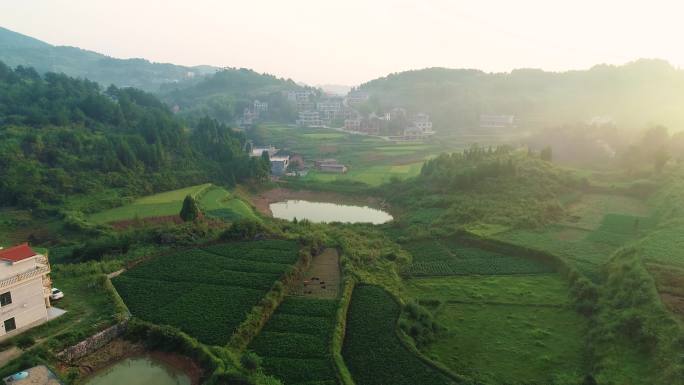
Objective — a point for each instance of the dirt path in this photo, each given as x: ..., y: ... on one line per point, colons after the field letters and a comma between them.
x: 322, y: 280
x: 264, y: 199
x: 10, y: 354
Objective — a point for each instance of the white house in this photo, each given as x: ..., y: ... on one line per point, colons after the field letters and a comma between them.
x: 309, y: 119
x: 497, y: 121
x: 279, y: 164
x: 24, y: 289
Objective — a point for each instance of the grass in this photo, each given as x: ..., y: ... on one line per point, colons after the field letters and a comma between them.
x: 540, y: 289
x: 220, y: 203
x: 215, y: 201
x: 206, y: 293
x: 295, y: 342
x: 372, y: 350
x: 157, y: 205
x: 505, y: 329
x: 325, y: 136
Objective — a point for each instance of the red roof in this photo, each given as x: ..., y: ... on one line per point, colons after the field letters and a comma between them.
x: 17, y: 253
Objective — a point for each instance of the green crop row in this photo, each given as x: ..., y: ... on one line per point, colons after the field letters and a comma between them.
x: 372, y: 350
x: 205, y: 260
x: 203, y: 294
x: 270, y: 251
x: 295, y: 343
x: 448, y: 257
x: 301, y: 371
x: 309, y: 307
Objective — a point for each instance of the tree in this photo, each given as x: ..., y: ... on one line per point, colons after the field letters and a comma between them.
x: 660, y: 159
x: 547, y: 154
x: 190, y: 210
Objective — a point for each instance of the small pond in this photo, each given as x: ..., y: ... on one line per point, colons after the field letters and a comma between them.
x: 328, y: 212
x: 140, y: 371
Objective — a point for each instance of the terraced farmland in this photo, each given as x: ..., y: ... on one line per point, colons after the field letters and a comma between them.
x: 436, y: 257
x: 206, y: 292
x: 295, y: 343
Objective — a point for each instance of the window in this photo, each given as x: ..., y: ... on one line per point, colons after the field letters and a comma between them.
x: 10, y: 325
x: 5, y: 299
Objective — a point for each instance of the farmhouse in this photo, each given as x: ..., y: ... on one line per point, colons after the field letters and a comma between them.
x: 333, y: 167
x: 260, y: 107
x: 279, y: 164
x: 330, y: 165
x: 356, y: 97
x: 497, y: 121
x: 353, y: 124
x: 24, y: 289
x: 258, y: 151
x: 309, y: 119
x: 422, y: 122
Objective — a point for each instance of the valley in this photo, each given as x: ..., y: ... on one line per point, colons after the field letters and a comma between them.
x: 245, y: 229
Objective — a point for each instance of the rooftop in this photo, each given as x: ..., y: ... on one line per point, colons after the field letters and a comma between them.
x: 17, y: 253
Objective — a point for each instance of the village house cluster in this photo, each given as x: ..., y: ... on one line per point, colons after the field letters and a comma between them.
x: 294, y: 165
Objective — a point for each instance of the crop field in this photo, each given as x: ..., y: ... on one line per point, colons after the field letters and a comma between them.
x: 215, y: 201
x: 206, y: 292
x: 220, y: 203
x: 295, y: 343
x: 371, y: 175
x: 505, y: 329
x: 440, y: 257
x: 157, y: 205
x: 372, y: 350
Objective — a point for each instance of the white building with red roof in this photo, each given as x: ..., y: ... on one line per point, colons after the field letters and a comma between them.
x: 24, y: 289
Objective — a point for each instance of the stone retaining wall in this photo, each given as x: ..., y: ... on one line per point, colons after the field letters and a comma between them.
x: 92, y: 343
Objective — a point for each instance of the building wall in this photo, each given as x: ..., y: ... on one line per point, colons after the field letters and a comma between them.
x: 27, y: 307
x: 8, y: 269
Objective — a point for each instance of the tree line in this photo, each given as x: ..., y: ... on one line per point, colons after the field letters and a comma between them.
x: 61, y: 136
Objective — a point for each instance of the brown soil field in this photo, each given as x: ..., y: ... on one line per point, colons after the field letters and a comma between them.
x: 322, y: 279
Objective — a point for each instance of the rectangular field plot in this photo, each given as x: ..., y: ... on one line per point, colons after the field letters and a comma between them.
x: 505, y: 329
x: 295, y: 343
x: 203, y: 293
x: 443, y: 258
x: 372, y: 350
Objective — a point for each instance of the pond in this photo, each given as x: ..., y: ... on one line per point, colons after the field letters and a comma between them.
x: 328, y: 212
x: 140, y: 371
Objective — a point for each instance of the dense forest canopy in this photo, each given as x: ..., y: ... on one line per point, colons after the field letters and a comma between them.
x: 62, y: 136
x: 634, y: 95
x: 225, y: 94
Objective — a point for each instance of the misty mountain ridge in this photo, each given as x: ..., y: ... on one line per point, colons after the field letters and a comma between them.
x: 17, y: 49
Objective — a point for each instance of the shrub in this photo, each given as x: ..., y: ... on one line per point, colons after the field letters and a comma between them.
x: 250, y: 361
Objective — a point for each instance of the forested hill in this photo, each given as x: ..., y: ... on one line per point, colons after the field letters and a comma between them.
x: 634, y: 95
x: 197, y: 91
x: 225, y: 94
x: 62, y: 137
x: 17, y: 49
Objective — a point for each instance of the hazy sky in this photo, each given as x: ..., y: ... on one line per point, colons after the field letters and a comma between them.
x: 352, y: 41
